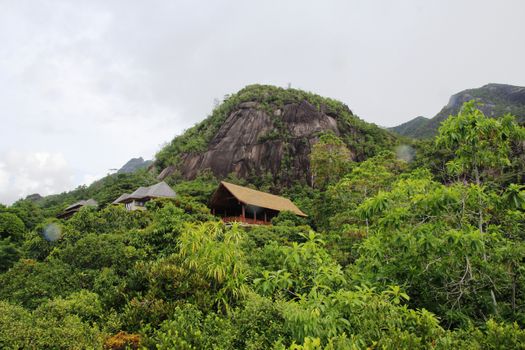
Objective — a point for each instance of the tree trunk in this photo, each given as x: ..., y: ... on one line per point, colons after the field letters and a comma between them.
x: 514, y: 293
x: 480, y: 227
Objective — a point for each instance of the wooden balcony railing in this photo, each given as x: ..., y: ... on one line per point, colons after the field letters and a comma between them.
x: 248, y: 221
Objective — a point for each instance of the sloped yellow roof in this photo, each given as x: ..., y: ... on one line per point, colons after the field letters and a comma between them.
x: 261, y: 199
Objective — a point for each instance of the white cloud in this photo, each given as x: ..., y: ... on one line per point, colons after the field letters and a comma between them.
x: 4, y: 178
x: 24, y: 173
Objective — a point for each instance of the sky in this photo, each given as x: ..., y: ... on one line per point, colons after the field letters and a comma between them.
x: 87, y: 85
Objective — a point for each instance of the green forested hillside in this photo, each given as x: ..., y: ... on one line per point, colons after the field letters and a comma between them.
x: 495, y: 100
x: 416, y: 127
x: 393, y: 255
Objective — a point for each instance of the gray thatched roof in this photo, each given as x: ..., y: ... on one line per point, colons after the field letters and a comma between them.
x: 90, y: 203
x: 121, y: 198
x: 160, y: 190
x: 139, y: 193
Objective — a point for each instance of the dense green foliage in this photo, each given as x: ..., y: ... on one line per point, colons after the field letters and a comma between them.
x: 329, y: 160
x: 392, y: 256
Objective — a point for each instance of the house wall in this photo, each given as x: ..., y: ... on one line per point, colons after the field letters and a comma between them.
x: 135, y: 205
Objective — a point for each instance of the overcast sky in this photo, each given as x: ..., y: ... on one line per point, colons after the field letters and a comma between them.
x: 87, y: 85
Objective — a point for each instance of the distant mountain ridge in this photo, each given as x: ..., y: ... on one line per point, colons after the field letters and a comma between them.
x: 495, y: 100
x: 133, y: 165
x: 413, y: 127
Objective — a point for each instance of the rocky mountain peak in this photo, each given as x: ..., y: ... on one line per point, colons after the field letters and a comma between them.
x: 133, y: 165
x: 494, y: 100
x: 269, y: 131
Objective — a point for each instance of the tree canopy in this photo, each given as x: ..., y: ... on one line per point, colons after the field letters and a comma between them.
x: 392, y: 255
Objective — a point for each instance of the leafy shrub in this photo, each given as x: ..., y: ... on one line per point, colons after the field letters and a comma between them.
x: 259, y: 323
x: 11, y: 226
x: 19, y: 329
x: 31, y: 283
x: 189, y: 328
x: 84, y: 304
x: 96, y: 251
x: 287, y: 218
x: 122, y: 341
x: 9, y: 254
x: 141, y: 311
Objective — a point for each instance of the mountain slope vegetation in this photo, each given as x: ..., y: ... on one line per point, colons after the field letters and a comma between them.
x: 412, y: 128
x: 392, y: 255
x: 495, y: 100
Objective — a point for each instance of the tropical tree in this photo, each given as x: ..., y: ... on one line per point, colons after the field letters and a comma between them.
x: 11, y: 226
x: 213, y: 252
x: 481, y: 147
x: 480, y: 144
x: 424, y: 236
x: 329, y: 160
x: 364, y: 181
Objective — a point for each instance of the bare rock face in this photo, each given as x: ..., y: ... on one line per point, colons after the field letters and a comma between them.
x: 35, y: 197
x: 255, y: 141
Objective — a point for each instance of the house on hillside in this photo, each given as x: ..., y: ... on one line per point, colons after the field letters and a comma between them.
x: 73, y: 208
x: 234, y: 203
x: 137, y: 200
